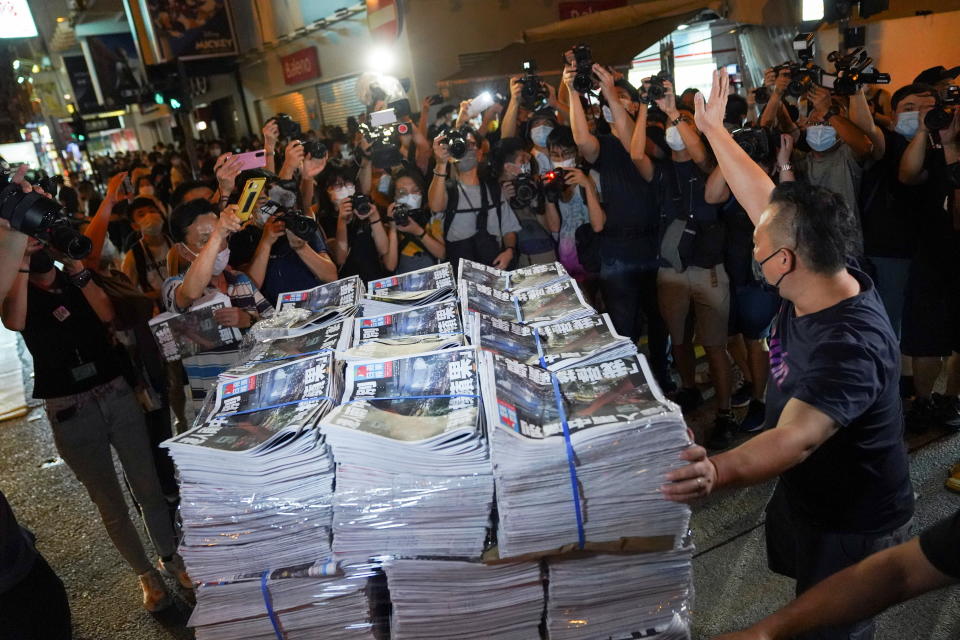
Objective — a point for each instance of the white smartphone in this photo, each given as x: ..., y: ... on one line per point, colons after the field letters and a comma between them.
x: 480, y: 104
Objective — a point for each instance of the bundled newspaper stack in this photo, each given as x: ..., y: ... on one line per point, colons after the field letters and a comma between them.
x: 325, y: 303
x: 181, y: 335
x: 643, y: 595
x: 587, y: 340
x: 558, y: 301
x: 306, y: 601
x: 412, y: 330
x: 531, y: 277
x: 450, y: 600
x: 579, y: 455
x: 256, y: 477
x: 260, y: 355
x: 423, y: 286
x: 413, y: 472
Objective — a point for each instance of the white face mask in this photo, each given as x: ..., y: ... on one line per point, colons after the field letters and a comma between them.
x: 821, y: 137
x: 568, y: 163
x: 539, y: 135
x: 674, y: 140
x: 221, y: 261
x: 342, y: 193
x: 908, y: 123
x: 412, y: 200
x: 525, y: 168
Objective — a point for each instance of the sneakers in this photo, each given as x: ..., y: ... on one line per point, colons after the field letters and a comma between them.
x: 155, y: 595
x: 742, y: 396
x: 174, y: 568
x: 921, y: 415
x: 754, y: 420
x: 947, y: 410
x: 723, y: 428
x: 953, y: 482
x: 689, y: 398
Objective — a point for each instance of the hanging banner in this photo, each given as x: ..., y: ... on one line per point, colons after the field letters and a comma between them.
x: 84, y: 95
x: 300, y: 66
x: 116, y: 68
x: 191, y: 30
x: 385, y: 19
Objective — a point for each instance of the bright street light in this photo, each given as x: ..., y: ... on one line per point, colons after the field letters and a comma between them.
x: 381, y: 59
x: 812, y: 10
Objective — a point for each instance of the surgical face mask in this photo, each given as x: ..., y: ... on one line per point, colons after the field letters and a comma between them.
x: 674, y: 140
x: 221, y: 261
x: 412, y: 200
x: 758, y: 272
x: 342, y: 193
x: 607, y: 113
x: 346, y: 154
x: 525, y: 168
x: 468, y: 162
x: 567, y: 163
x: 152, y: 226
x: 539, y: 135
x: 821, y: 137
x: 41, y: 262
x: 908, y: 123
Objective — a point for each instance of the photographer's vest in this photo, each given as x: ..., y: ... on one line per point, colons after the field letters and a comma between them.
x: 481, y: 246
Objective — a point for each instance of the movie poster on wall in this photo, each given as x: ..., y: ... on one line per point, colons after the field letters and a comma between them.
x: 192, y: 30
x: 117, y: 68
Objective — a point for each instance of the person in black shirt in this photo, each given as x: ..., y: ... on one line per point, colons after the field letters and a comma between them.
x: 894, y: 575
x: 629, y: 251
x: 78, y: 372
x: 361, y: 239
x: 844, y: 487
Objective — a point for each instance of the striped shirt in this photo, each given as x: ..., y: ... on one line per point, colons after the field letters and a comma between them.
x: 203, y: 368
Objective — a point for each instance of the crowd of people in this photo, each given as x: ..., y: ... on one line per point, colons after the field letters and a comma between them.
x: 802, y: 240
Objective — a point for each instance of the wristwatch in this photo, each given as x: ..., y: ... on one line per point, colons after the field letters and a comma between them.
x: 785, y: 167
x: 81, y: 278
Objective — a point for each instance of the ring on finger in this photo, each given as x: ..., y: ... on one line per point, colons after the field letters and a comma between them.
x: 700, y: 482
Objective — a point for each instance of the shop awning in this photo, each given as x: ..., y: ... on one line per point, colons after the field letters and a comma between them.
x: 614, y: 47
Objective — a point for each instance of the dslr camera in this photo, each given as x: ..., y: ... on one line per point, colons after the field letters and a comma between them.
x: 456, y: 143
x: 402, y: 214
x: 361, y: 203
x: 760, y: 143
x: 381, y: 133
x: 554, y: 182
x: 290, y: 129
x: 941, y: 114
x: 851, y: 72
x: 525, y: 191
x: 803, y: 76
x: 296, y: 223
x: 584, y: 80
x: 532, y: 92
x: 40, y: 217
x: 656, y: 90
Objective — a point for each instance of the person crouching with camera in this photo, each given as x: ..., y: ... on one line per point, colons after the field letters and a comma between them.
x: 363, y: 242
x: 477, y: 223
x: 419, y: 232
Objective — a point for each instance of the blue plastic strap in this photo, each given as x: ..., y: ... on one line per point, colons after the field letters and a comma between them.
x: 268, y: 603
x: 274, y: 406
x: 433, y: 397
x: 571, y: 456
x: 516, y: 306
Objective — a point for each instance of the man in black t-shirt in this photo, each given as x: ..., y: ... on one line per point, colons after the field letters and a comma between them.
x: 837, y: 445
x: 894, y: 575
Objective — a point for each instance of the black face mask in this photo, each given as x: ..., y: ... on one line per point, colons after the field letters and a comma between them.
x: 41, y: 262
x: 758, y: 272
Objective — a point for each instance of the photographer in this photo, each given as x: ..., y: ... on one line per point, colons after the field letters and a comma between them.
x: 512, y: 163
x: 478, y: 225
x: 363, y: 244
x: 578, y: 205
x: 420, y: 236
x: 536, y: 126
x: 932, y: 311
x: 202, y: 242
x: 844, y: 486
x: 79, y: 373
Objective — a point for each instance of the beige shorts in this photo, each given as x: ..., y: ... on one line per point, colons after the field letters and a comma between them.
x: 707, y: 291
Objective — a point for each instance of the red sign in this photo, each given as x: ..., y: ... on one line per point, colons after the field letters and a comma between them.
x: 385, y: 19
x: 586, y: 7
x: 301, y: 66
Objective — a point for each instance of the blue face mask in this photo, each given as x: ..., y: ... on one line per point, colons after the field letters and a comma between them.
x: 539, y: 135
x: 821, y: 137
x: 908, y: 123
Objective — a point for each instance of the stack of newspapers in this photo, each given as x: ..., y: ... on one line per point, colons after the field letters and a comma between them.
x: 464, y: 600
x: 423, y: 286
x: 256, y: 477
x: 531, y: 277
x: 265, y: 354
x: 642, y: 595
x: 306, y: 601
x: 413, y: 472
x: 599, y: 479
x: 570, y: 343
x: 412, y: 330
x: 561, y: 300
x: 329, y: 302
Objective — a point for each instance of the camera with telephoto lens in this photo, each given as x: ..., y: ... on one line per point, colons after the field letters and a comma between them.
x: 760, y: 143
x: 554, y: 182
x: 456, y: 143
x: 656, y: 89
x: 361, y: 203
x: 525, y: 191
x: 40, y: 217
x: 287, y: 127
x: 803, y: 76
x: 851, y: 72
x: 532, y: 92
x: 939, y: 116
x: 384, y: 154
x: 584, y: 80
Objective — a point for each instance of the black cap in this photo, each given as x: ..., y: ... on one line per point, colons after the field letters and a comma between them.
x: 933, y: 75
